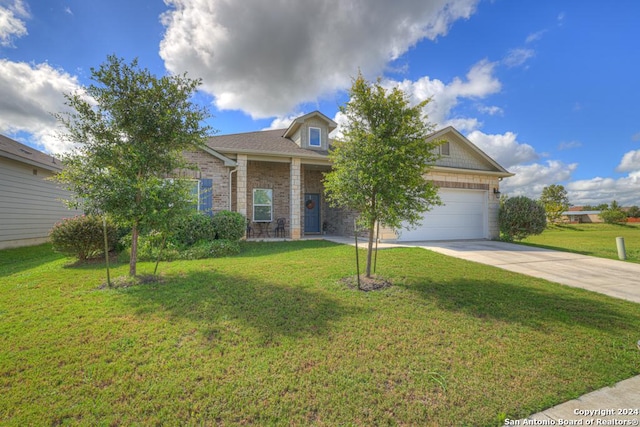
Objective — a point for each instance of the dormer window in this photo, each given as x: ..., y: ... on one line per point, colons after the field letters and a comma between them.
x: 314, y: 137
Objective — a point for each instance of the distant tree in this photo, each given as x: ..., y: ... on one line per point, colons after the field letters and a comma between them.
x: 380, y: 162
x: 633, y: 212
x: 520, y: 217
x: 613, y: 214
x: 129, y: 131
x: 555, y: 201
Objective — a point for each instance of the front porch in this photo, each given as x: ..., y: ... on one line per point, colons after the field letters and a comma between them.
x: 286, y: 189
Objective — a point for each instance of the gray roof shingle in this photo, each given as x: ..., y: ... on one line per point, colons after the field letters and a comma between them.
x: 270, y: 142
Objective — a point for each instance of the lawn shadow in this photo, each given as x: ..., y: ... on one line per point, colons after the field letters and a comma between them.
x: 257, y: 249
x: 529, y: 305
x: 16, y: 260
x: 214, y: 299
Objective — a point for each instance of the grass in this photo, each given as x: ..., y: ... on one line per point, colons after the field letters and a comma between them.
x: 272, y: 338
x: 590, y: 239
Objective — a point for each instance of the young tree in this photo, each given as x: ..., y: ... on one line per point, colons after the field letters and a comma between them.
x: 613, y: 214
x: 380, y: 162
x: 129, y: 131
x: 555, y: 201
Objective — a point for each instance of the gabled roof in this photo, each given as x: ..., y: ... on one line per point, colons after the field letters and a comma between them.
x: 293, y: 127
x: 14, y: 150
x: 498, y: 169
x: 266, y: 142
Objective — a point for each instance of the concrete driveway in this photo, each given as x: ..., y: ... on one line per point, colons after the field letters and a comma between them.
x: 615, y: 278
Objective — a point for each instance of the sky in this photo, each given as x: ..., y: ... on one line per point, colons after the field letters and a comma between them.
x: 548, y: 88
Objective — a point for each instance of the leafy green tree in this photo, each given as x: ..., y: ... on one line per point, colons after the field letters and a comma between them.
x: 129, y: 130
x: 633, y: 212
x: 555, y: 200
x: 613, y: 214
x: 380, y: 162
x: 520, y: 217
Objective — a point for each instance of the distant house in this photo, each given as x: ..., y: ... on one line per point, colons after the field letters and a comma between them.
x: 575, y: 216
x: 29, y: 203
x: 277, y: 174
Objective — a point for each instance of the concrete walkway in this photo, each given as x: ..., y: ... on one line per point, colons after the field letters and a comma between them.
x: 615, y: 405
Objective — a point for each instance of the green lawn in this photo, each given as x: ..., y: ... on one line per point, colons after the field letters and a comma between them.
x: 591, y: 239
x: 273, y: 338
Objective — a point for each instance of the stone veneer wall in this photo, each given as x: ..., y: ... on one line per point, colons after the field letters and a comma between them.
x: 210, y: 167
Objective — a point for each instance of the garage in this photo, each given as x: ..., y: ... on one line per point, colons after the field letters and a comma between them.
x: 463, y: 215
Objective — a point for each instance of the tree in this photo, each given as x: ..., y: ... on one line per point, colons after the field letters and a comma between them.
x: 633, y: 212
x: 129, y: 130
x: 380, y: 162
x: 555, y: 201
x: 520, y: 217
x: 613, y: 214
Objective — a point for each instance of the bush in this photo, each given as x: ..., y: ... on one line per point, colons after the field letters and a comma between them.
x: 520, y: 217
x: 229, y: 225
x: 82, y: 236
x: 613, y: 216
x: 193, y: 228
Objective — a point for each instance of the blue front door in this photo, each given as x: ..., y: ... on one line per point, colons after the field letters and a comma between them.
x: 311, y: 213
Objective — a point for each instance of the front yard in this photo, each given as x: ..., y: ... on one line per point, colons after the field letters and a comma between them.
x: 272, y: 337
x: 591, y: 239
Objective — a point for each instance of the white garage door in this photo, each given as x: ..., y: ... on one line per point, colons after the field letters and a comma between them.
x: 463, y: 216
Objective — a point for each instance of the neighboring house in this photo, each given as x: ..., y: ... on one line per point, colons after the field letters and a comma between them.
x: 29, y: 203
x: 273, y: 174
x: 582, y: 216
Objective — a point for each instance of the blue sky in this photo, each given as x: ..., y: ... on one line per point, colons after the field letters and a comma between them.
x: 547, y: 88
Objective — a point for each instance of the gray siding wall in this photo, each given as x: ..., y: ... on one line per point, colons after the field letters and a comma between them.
x: 29, y: 204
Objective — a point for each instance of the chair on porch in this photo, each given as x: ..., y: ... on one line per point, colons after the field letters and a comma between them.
x: 280, y: 228
x: 249, y: 229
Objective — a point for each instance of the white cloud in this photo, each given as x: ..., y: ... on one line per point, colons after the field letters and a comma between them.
x: 480, y: 82
x: 283, y: 122
x: 504, y: 149
x: 630, y: 162
x: 31, y: 94
x: 266, y: 58
x: 603, y: 190
x: 517, y: 57
x: 491, y: 110
x: 529, y: 180
x: 636, y: 137
x: 12, y: 23
x: 569, y: 145
x: 535, y: 36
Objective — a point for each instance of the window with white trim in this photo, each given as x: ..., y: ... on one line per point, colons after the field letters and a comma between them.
x: 262, y: 204
x: 315, y: 137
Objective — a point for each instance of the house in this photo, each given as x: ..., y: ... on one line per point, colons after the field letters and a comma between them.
x: 273, y: 174
x: 578, y: 216
x: 30, y: 204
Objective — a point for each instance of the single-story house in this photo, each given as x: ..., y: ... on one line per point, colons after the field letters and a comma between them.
x: 582, y: 216
x: 277, y: 174
x: 30, y: 204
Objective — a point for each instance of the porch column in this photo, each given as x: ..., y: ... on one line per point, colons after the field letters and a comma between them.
x: 296, y: 197
x: 241, y: 187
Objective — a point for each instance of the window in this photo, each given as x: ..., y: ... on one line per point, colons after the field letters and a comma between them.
x: 262, y: 204
x: 194, y: 188
x: 444, y: 149
x: 314, y: 137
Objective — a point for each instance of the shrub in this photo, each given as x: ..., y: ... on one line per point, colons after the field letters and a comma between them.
x: 193, y: 228
x: 211, y: 249
x: 82, y: 236
x: 229, y: 225
x: 613, y: 216
x: 520, y: 217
